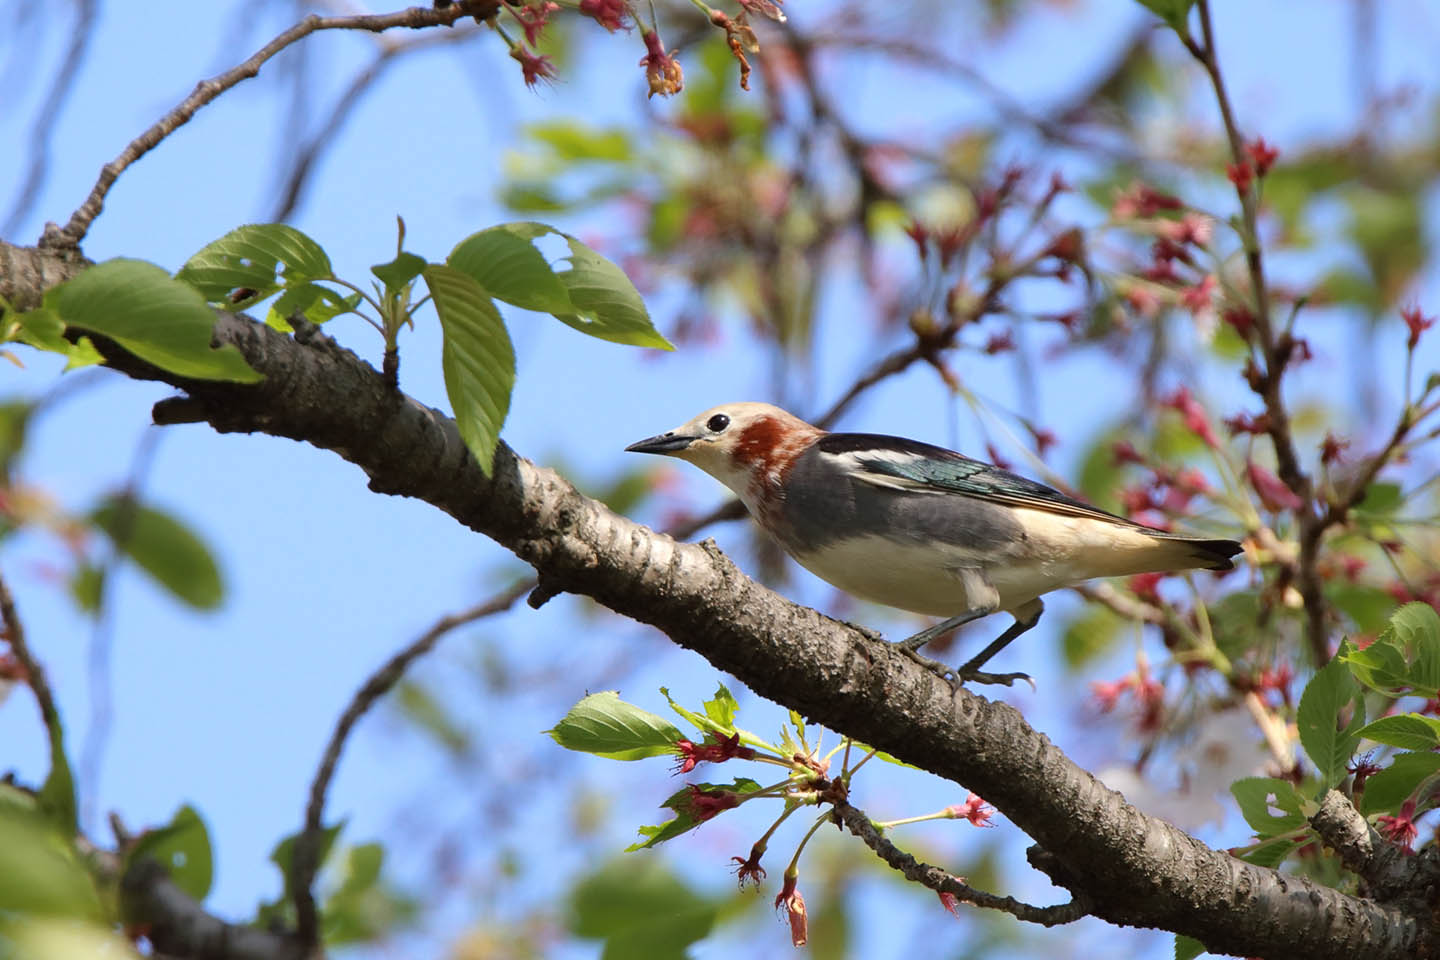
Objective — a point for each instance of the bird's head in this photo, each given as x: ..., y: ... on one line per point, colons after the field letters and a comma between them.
x: 740, y: 444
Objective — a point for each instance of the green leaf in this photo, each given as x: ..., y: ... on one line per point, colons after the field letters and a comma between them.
x: 506, y: 263
x: 1090, y: 635
x: 252, y: 262
x: 1187, y: 948
x: 164, y: 548
x: 56, y: 799
x: 1387, y: 790
x: 1173, y: 12
x: 640, y: 909
x: 40, y: 872
x: 1257, y: 795
x: 1272, y: 853
x: 361, y: 909
x: 477, y: 359
x: 722, y: 708
x: 1406, y: 656
x: 400, y: 271
x: 574, y: 142
x: 311, y: 301
x: 1329, y: 747
x: 685, y: 820
x: 281, y: 910
x: 607, y: 305
x: 1409, y: 731
x: 1381, y: 499
x: 183, y: 849
x: 607, y: 726
x: 150, y: 314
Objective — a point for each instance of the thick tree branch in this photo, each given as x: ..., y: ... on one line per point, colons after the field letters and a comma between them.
x: 1131, y: 868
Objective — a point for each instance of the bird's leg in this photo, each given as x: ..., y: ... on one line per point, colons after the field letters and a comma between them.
x: 912, y: 644
x: 1025, y: 618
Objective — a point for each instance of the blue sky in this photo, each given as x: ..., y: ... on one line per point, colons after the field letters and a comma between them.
x: 229, y: 711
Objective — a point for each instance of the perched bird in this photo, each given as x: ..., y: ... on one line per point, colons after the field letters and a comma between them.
x: 918, y: 527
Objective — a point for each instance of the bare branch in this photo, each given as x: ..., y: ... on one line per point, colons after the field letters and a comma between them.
x: 414, y: 18
x: 938, y: 880
x: 309, y: 153
x: 303, y: 864
x: 34, y: 671
x: 47, y: 115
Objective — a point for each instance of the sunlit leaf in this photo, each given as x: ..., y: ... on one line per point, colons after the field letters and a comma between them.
x: 606, y: 303
x: 1387, y: 790
x: 506, y: 263
x: 477, y: 358
x: 1257, y: 795
x: 252, y: 262
x: 152, y: 315
x: 607, y: 726
x: 1329, y: 746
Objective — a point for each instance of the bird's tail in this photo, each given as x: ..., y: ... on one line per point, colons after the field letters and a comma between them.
x: 1196, y: 553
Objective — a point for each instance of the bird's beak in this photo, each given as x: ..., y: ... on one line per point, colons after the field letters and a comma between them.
x: 668, y: 442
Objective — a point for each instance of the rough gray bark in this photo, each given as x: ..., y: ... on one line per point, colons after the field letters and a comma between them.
x: 1129, y: 868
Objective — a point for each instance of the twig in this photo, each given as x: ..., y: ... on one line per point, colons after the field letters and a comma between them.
x: 414, y: 18
x: 1275, y: 352
x: 47, y: 115
x: 97, y: 730
x: 303, y: 863
x: 941, y: 882
x: 305, y: 158
x: 34, y: 672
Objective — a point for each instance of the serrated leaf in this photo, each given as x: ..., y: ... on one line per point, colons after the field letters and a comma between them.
x: 1256, y: 796
x: 183, y: 849
x: 1329, y: 748
x: 506, y: 263
x: 150, y: 314
x: 255, y: 260
x: 164, y: 548
x: 607, y: 726
x: 607, y: 305
x: 1409, y: 731
x: 1405, y: 657
x: 1387, y: 790
x: 315, y: 303
x: 400, y: 271
x: 685, y: 818
x: 722, y: 707
x: 477, y: 358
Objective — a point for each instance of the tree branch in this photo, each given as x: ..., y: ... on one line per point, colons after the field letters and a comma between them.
x: 303, y: 863
x: 938, y: 880
x: 1135, y: 869
x: 207, y: 90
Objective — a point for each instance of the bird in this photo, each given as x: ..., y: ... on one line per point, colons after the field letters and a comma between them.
x: 914, y: 526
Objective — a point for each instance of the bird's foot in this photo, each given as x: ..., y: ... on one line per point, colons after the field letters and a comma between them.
x: 959, y: 676
x: 869, y: 634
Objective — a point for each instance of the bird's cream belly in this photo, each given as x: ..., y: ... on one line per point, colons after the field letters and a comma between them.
x: 927, y: 579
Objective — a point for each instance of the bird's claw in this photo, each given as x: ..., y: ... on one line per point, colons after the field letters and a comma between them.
x: 959, y: 676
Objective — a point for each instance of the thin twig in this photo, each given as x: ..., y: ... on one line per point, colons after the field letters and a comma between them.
x: 102, y: 700
x: 34, y: 672
x: 304, y: 864
x: 941, y: 882
x: 414, y: 18
x: 305, y: 158
x: 47, y: 115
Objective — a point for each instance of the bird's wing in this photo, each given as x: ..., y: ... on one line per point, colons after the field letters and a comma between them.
x: 899, y: 464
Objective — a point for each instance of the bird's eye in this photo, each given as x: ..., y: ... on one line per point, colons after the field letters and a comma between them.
x: 717, y: 423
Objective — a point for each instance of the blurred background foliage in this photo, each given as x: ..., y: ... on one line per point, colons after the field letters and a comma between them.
x: 967, y: 199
